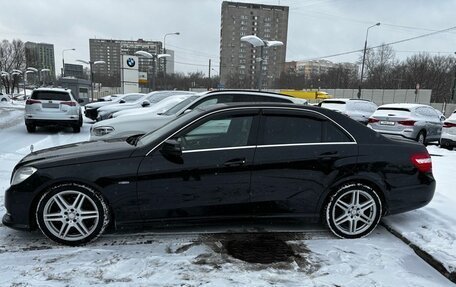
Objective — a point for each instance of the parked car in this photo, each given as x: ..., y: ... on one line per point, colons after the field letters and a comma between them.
x: 223, y: 161
x: 157, y: 108
x: 108, y: 98
x: 141, y: 124
x: 91, y: 110
x: 413, y: 121
x: 52, y: 106
x: 146, y: 101
x: 357, y: 109
x: 448, y: 138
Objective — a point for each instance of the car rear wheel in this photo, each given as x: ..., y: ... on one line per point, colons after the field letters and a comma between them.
x: 31, y: 128
x: 72, y: 214
x: 353, y: 211
x: 421, y: 137
x: 76, y: 128
x: 80, y: 120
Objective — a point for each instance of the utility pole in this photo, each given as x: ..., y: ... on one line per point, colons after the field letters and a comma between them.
x: 453, y: 90
x: 364, y: 58
x: 209, y: 73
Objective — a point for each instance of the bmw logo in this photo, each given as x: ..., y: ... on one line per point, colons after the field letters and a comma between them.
x: 131, y: 62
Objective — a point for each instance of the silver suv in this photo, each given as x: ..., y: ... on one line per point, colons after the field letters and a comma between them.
x: 413, y: 121
x: 52, y: 106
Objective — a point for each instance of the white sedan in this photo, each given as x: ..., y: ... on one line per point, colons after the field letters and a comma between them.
x: 448, y: 138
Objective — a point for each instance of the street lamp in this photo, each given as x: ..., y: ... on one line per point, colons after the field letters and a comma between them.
x: 164, y: 52
x: 63, y: 60
x: 364, y: 57
x: 154, y: 58
x: 258, y: 42
x: 91, y: 63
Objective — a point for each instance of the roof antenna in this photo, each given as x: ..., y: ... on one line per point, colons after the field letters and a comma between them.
x: 31, y: 148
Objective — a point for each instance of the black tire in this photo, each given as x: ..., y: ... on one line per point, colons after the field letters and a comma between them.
x: 76, y: 128
x: 421, y: 137
x: 333, y: 212
x: 81, y: 121
x: 93, y: 198
x: 31, y: 128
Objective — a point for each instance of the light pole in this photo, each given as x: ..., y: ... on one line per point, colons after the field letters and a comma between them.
x: 154, y: 58
x: 364, y: 57
x: 164, y: 52
x: 258, y: 42
x: 91, y: 63
x: 453, y: 90
x: 63, y: 60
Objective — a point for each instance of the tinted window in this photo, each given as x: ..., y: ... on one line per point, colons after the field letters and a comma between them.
x: 256, y: 98
x: 49, y: 95
x: 301, y: 129
x: 132, y: 98
x: 218, y: 133
x: 291, y: 129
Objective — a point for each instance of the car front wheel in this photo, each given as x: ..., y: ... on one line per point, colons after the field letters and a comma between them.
x: 72, y: 214
x: 353, y: 211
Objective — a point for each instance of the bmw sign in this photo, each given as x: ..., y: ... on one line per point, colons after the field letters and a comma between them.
x: 131, y: 62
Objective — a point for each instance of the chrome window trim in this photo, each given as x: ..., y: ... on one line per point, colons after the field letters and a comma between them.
x: 261, y: 146
x: 304, y: 144
x: 219, y: 148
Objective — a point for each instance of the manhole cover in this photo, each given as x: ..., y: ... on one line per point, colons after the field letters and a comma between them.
x: 259, y: 249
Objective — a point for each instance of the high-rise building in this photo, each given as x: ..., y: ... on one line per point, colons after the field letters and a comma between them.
x: 313, y: 68
x: 111, y: 50
x: 40, y: 56
x: 239, y: 60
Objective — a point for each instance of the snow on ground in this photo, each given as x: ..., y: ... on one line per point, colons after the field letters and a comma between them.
x: 196, y: 256
x: 433, y: 227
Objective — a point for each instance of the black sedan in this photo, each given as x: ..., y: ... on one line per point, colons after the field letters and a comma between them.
x: 223, y: 162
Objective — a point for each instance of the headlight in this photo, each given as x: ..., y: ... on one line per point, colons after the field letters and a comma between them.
x: 101, y: 131
x: 22, y: 174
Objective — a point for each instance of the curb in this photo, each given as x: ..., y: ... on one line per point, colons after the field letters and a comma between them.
x: 428, y: 258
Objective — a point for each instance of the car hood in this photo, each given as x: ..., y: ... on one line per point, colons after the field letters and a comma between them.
x: 78, y: 153
x: 117, y: 107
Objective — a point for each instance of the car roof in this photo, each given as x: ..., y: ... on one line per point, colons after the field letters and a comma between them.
x: 254, y: 92
x: 404, y: 105
x: 223, y: 106
x: 53, y: 90
x: 345, y: 100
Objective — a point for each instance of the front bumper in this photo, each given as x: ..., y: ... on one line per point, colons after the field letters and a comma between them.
x: 91, y: 114
x: 18, y: 205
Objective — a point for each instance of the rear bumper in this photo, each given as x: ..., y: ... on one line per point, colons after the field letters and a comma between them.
x: 408, y: 133
x: 47, y: 122
x: 408, y: 198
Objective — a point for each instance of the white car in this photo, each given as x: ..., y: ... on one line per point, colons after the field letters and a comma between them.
x: 448, y: 137
x: 140, y: 124
x: 158, y: 108
x: 52, y: 106
x: 357, y: 109
x: 4, y: 98
x: 145, y: 101
x: 91, y: 110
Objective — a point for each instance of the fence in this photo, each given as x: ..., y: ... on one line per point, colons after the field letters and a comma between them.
x: 381, y: 97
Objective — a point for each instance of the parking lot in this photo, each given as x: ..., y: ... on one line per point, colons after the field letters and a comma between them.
x: 248, y: 253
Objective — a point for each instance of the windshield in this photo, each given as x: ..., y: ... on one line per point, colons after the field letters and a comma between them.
x: 180, y: 106
x: 132, y: 98
x: 164, y: 130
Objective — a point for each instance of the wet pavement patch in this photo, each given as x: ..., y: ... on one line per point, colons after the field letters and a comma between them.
x: 264, y: 249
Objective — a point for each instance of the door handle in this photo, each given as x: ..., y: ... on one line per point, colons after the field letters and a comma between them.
x: 328, y: 155
x: 235, y: 162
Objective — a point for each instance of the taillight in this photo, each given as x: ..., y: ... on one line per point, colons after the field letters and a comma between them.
x: 31, y: 102
x: 422, y: 161
x: 71, y: 104
x: 407, y: 123
x: 448, y: 125
x: 372, y: 120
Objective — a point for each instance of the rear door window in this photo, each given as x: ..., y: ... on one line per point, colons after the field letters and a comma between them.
x: 51, y: 96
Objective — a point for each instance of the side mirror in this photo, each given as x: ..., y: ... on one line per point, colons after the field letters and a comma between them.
x: 146, y: 103
x: 80, y: 100
x: 121, y: 101
x: 172, y: 151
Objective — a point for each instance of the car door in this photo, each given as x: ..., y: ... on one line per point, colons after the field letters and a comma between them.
x: 299, y: 154
x: 435, y: 123
x: 213, y: 176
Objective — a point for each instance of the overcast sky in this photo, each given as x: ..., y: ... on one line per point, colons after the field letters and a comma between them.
x: 316, y: 28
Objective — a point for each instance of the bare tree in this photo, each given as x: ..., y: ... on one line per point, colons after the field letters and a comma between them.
x: 12, y: 57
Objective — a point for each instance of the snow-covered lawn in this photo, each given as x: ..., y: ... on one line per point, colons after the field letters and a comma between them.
x: 199, y: 256
x: 433, y: 227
